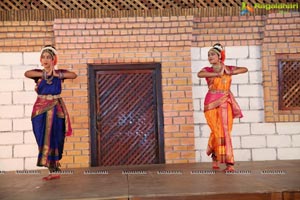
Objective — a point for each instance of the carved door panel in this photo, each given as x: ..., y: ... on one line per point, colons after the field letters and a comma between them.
x: 127, y: 120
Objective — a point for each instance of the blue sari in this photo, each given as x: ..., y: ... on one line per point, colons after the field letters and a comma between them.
x: 50, y: 122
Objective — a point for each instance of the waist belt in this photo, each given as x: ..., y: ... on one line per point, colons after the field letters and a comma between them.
x: 49, y: 96
x: 219, y: 91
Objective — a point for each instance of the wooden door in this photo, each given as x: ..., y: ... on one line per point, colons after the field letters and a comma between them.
x: 127, y: 115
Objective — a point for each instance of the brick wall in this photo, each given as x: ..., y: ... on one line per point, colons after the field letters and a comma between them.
x: 281, y: 37
x: 165, y: 40
x: 25, y: 36
x: 180, y: 44
x: 129, y: 40
x: 228, y: 30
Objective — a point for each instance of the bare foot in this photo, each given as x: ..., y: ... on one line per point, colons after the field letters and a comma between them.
x: 229, y: 168
x: 51, y: 177
x: 215, y: 165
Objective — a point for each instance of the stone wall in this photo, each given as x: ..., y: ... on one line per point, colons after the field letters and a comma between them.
x: 18, y: 149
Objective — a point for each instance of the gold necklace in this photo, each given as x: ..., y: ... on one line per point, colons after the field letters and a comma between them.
x: 216, y: 68
x: 48, y: 79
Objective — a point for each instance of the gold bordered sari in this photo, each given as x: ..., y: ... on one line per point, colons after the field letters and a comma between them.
x: 220, y: 108
x: 50, y: 122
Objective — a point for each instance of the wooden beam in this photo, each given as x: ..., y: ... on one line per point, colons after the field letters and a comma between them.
x: 202, y: 3
x: 47, y: 4
x: 141, y: 4
x: 56, y: 6
x: 112, y: 6
x: 79, y: 5
x: 102, y: 4
x: 156, y: 4
x: 125, y: 4
x: 189, y: 2
x: 2, y: 4
x: 12, y: 5
x: 33, y: 7
x: 170, y: 2
x: 64, y: 6
x: 131, y: 3
x: 21, y: 7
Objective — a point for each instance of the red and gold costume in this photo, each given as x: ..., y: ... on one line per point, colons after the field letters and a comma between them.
x: 220, y: 107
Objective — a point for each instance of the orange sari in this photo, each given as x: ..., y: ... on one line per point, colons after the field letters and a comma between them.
x: 220, y: 108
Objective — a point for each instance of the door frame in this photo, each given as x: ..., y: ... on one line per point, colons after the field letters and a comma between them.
x: 92, y: 69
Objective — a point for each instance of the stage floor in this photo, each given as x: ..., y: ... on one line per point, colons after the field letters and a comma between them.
x: 268, y: 180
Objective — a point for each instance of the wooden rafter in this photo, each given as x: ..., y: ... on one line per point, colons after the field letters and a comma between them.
x: 79, y: 5
x: 142, y: 5
x: 3, y: 7
x: 64, y: 7
x: 57, y: 6
x: 189, y: 1
x: 132, y: 4
x: 126, y: 5
x: 170, y: 2
x: 47, y: 4
x: 234, y: 3
x: 112, y: 6
x: 119, y: 5
x: 256, y: 1
x: 200, y: 3
x: 19, y: 5
x: 12, y: 5
x: 156, y: 4
x: 95, y: 5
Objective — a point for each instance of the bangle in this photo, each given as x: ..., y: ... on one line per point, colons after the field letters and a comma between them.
x: 60, y: 75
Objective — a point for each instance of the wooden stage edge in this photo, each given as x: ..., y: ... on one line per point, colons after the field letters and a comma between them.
x: 259, y: 180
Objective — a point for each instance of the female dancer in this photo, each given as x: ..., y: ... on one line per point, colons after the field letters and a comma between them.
x: 50, y: 119
x: 220, y: 107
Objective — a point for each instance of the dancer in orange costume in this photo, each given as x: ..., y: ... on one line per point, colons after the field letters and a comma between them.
x: 220, y: 107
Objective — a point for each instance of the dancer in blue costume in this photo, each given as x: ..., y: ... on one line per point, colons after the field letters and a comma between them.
x: 50, y: 118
